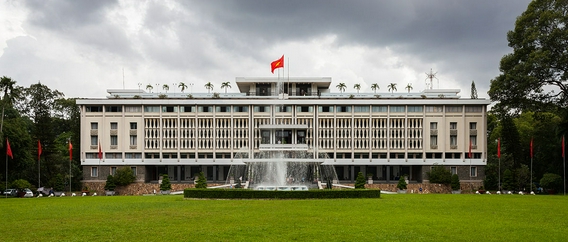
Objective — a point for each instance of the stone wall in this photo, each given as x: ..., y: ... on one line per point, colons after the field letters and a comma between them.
x: 137, y: 188
x: 427, y: 187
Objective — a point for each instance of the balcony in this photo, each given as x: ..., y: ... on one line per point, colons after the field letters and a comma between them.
x: 266, y: 147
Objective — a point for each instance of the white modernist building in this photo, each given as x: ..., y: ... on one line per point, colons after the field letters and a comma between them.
x: 385, y: 135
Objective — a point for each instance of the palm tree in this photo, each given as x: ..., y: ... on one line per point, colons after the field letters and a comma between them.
x: 225, y: 85
x: 149, y: 87
x: 357, y: 87
x: 209, y: 87
x: 182, y: 86
x: 392, y: 87
x: 166, y: 87
x: 341, y: 86
x: 374, y: 87
x: 409, y: 87
x: 11, y: 92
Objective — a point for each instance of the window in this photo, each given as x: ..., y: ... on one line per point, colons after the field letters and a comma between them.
x: 113, y: 155
x: 113, y: 125
x: 283, y: 109
x: 133, y: 125
x: 397, y: 109
x: 379, y: 109
x: 169, y: 109
x: 133, y: 155
x: 113, y: 109
x: 262, y: 109
x: 453, y: 109
x: 361, y: 109
x: 152, y: 109
x: 453, y: 125
x: 94, y: 125
x: 94, y: 108
x: 94, y: 139
x: 453, y: 170
x: 433, y: 139
x: 473, y: 139
x: 133, y: 170
x: 343, y: 109
x: 434, y: 109
x: 94, y: 172
x: 113, y: 140
x: 473, y: 171
x: 205, y: 109
x: 304, y: 109
x: 473, y: 109
x: 92, y: 155
x: 222, y: 109
x: 113, y: 170
x: 133, y: 140
x: 453, y: 140
x: 187, y: 109
x: 325, y: 109
x: 414, y: 109
x: 433, y: 125
x: 133, y: 109
x: 240, y: 109
x: 473, y: 125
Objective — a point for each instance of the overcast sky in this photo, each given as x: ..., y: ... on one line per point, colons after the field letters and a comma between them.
x: 82, y: 47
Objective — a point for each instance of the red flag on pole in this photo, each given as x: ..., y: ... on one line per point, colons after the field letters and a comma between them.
x: 8, y: 149
x: 562, y: 146
x: 499, y: 148
x: 470, y: 148
x: 70, y: 150
x: 39, y: 151
x: 277, y: 64
x: 100, y: 151
x: 531, y: 147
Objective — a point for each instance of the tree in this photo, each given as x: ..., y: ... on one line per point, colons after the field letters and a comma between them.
x: 341, y: 86
x: 508, y: 180
x: 360, y: 181
x: 455, y: 184
x: 409, y: 87
x: 357, y: 87
x: 392, y: 87
x: 226, y: 85
x: 182, y: 86
x: 473, y: 90
x: 535, y: 75
x: 201, y: 181
x: 124, y: 176
x: 523, y: 178
x: 401, y: 183
x: 110, y: 185
x: 166, y: 185
x: 439, y: 174
x: 149, y: 87
x: 374, y: 87
x: 209, y: 87
x: 166, y: 87
x: 551, y: 181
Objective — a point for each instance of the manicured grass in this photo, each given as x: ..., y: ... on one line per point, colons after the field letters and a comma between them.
x: 408, y: 217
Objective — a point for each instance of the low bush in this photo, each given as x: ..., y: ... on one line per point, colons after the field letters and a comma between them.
x: 258, y: 194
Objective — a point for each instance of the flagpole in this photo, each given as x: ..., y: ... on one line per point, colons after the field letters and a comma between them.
x: 564, y: 159
x: 531, y: 163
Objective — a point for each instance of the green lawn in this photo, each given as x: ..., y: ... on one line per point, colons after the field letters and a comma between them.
x: 408, y: 217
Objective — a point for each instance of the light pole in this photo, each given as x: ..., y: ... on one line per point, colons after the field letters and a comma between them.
x: 190, y: 88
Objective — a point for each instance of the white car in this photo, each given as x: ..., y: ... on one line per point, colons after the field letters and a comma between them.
x: 28, y: 192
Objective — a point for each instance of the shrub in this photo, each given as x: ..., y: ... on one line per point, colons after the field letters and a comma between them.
x: 508, y: 180
x: 201, y: 181
x: 57, y: 182
x: 110, y: 185
x: 551, y: 181
x: 360, y: 181
x: 401, y: 183
x: 21, y: 184
x: 455, y: 182
x: 124, y: 176
x: 166, y: 185
x: 439, y: 174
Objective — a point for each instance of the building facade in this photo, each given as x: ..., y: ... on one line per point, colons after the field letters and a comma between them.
x: 384, y: 135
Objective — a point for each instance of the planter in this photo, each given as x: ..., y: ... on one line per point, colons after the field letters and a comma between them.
x: 401, y: 191
x: 370, y: 181
x: 456, y: 191
x: 165, y: 192
x: 110, y: 193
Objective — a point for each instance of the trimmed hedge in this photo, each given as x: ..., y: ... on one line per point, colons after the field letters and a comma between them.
x: 260, y: 194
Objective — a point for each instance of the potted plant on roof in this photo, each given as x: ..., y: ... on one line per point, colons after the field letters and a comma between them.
x: 455, y: 184
x: 109, y: 186
x: 401, y: 185
x: 166, y: 186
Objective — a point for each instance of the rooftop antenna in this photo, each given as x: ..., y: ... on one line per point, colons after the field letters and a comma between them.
x: 431, y: 76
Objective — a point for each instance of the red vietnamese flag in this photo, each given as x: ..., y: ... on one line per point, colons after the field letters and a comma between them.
x: 499, y: 148
x: 39, y: 151
x: 277, y: 64
x: 70, y: 150
x: 531, y: 147
x: 8, y: 149
x: 100, y: 151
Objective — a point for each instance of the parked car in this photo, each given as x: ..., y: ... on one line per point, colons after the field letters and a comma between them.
x: 28, y: 193
x: 10, y: 192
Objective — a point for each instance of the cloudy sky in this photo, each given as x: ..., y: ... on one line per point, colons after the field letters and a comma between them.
x: 82, y: 47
